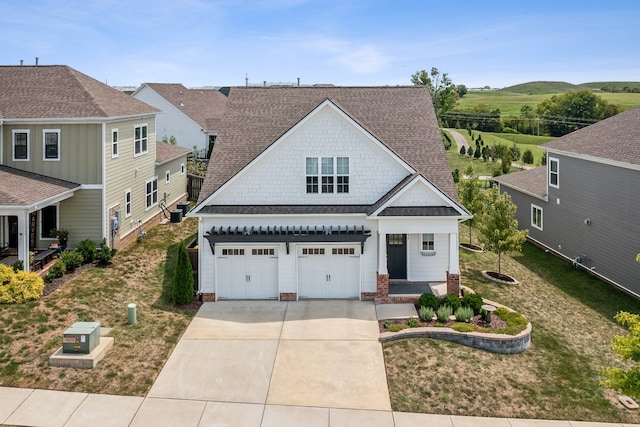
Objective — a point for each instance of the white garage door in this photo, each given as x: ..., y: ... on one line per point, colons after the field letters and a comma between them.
x: 329, y: 272
x: 247, y: 272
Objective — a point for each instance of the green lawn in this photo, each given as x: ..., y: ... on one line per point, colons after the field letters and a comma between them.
x: 558, y: 377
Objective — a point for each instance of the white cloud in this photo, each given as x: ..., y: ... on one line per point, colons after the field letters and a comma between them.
x: 356, y: 58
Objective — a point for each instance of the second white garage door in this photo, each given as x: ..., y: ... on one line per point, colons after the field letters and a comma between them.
x: 247, y: 272
x: 329, y: 272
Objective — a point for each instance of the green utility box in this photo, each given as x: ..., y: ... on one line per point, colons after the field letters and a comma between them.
x: 81, y: 337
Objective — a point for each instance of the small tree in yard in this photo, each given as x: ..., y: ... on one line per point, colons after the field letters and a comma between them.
x: 182, y: 286
x: 471, y: 195
x: 628, y: 347
x: 498, y: 226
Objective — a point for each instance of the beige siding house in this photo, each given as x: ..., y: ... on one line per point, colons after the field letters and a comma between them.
x: 76, y: 154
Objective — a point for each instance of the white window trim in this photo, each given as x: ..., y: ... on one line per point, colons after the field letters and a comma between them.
x: 116, y: 143
x: 167, y: 177
x: 183, y: 169
x: 533, y: 223
x: 155, y: 178
x: 427, y: 252
x: 44, y: 145
x: 142, y: 152
x: 13, y: 144
x: 557, y: 185
x: 130, y: 203
x: 335, y: 174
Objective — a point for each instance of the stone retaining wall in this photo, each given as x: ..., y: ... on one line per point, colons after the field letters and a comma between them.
x: 496, y: 343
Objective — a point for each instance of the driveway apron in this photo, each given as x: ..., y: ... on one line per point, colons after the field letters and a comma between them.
x: 307, y: 353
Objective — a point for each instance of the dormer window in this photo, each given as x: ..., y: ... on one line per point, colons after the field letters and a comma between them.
x: 327, y: 175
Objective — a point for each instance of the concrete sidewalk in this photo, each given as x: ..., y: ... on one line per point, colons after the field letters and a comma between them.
x: 259, y: 364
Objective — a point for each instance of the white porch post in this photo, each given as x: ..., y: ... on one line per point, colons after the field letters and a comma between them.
x: 23, y: 239
x: 382, y: 253
x: 454, y: 265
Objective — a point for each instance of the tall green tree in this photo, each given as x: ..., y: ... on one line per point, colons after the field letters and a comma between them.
x: 182, y: 285
x: 471, y: 195
x: 572, y: 110
x: 628, y: 347
x: 443, y: 91
x: 498, y: 226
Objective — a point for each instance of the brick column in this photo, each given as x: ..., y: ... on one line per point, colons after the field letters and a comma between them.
x: 383, y: 287
x: 453, y: 284
x: 288, y: 296
x: 208, y: 296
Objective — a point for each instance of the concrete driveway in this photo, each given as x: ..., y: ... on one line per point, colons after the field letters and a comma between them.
x: 242, y: 355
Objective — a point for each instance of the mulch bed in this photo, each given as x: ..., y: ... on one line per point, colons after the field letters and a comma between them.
x: 56, y: 283
x: 471, y: 247
x: 496, y: 323
x: 499, y: 277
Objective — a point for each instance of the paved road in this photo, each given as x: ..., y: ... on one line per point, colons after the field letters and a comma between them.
x: 459, y: 139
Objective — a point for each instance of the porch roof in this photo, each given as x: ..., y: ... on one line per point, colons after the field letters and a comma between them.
x: 23, y: 190
x: 419, y: 211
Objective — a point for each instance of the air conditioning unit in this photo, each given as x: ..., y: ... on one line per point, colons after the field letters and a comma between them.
x: 81, y: 337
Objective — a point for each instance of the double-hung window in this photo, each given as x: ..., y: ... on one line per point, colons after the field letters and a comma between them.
x: 536, y: 217
x: 114, y: 142
x: 428, y: 242
x: 327, y: 175
x: 20, y: 145
x: 127, y: 203
x: 151, y: 192
x: 51, y: 143
x: 139, y: 139
x: 554, y: 172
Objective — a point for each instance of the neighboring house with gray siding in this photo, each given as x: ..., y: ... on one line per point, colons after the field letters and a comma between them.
x: 75, y: 154
x: 584, y: 204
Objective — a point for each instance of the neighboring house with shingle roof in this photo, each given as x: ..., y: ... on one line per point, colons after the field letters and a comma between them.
x: 190, y: 115
x: 584, y: 204
x: 75, y: 154
x: 327, y: 192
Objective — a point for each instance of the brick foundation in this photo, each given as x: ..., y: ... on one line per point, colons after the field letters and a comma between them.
x: 368, y: 296
x: 453, y: 284
x: 121, y: 242
x: 208, y: 296
x: 288, y: 296
x: 382, y: 286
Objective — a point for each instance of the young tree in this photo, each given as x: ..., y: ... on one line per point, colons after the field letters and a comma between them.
x: 443, y: 91
x: 182, y: 286
x: 527, y: 157
x: 628, y: 347
x: 471, y: 195
x: 498, y: 226
x: 463, y: 150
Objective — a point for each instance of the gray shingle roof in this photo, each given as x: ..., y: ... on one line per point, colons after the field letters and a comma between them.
x: 402, y: 118
x: 203, y: 106
x: 20, y: 188
x: 167, y: 152
x: 616, y: 138
x: 59, y: 91
x: 532, y: 181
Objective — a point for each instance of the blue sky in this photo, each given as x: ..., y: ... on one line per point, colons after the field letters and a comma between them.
x: 344, y: 42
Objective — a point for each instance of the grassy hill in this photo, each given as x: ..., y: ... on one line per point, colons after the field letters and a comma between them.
x: 510, y: 99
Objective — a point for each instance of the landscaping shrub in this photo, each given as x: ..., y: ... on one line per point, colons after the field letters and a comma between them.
x: 463, y: 314
x: 17, y: 287
x: 18, y: 265
x: 452, y: 301
x: 55, y: 271
x: 182, y: 285
x: 426, y: 313
x: 474, y: 301
x: 463, y: 327
x: 71, y: 260
x: 396, y: 327
x: 412, y: 322
x: 516, y: 322
x: 428, y: 300
x: 87, y: 248
x: 104, y: 255
x: 444, y: 312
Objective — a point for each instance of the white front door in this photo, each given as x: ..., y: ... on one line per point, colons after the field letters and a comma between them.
x: 246, y: 272
x: 329, y: 271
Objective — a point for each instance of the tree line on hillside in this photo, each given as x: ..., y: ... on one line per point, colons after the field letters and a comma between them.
x: 555, y: 116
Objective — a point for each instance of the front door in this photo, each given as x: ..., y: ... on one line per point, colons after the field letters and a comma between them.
x: 13, y: 232
x: 397, y: 256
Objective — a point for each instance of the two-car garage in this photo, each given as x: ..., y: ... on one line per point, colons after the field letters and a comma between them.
x: 321, y: 271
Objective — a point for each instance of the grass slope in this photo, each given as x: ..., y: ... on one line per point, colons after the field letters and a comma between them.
x: 541, y: 88
x: 556, y: 378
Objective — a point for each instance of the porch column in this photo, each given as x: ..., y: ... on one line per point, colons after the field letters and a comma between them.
x: 23, y: 240
x: 454, y: 264
x: 382, y: 285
